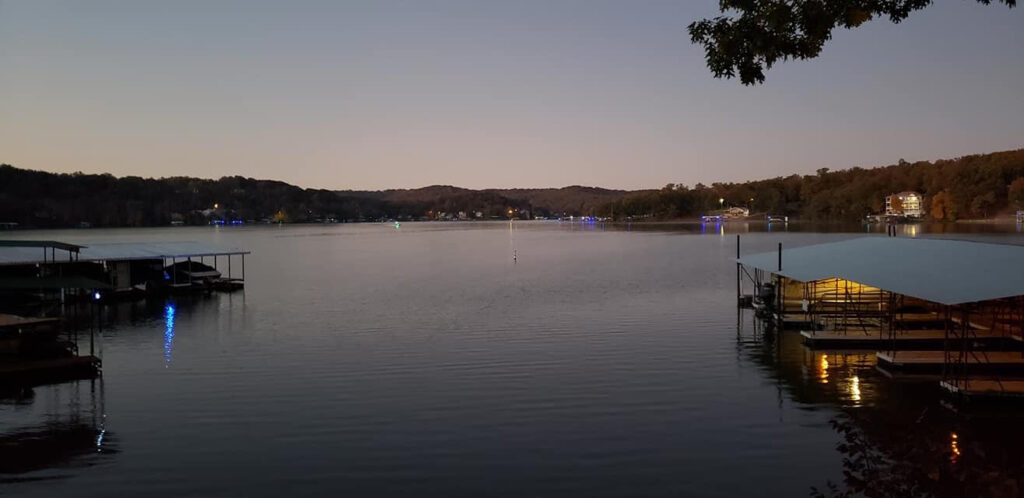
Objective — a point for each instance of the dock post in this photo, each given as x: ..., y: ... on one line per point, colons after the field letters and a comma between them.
x: 92, y: 329
x: 243, y: 267
x: 780, y: 256
x: 739, y: 293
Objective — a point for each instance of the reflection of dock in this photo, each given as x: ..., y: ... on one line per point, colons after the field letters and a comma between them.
x: 48, y: 370
x: 72, y: 432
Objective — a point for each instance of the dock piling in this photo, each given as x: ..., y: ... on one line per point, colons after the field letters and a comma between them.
x: 739, y: 294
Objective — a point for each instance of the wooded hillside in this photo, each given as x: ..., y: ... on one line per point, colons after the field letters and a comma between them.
x: 974, y: 186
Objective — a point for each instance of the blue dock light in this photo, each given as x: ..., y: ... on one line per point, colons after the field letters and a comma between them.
x: 96, y: 295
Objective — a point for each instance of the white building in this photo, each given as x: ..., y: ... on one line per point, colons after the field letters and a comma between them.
x: 736, y: 212
x: 911, y: 205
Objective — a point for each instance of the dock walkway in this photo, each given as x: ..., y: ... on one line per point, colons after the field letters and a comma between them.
x: 928, y: 339
x: 15, y: 321
x: 933, y: 360
x: 988, y: 388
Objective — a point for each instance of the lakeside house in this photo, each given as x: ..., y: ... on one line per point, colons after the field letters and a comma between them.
x: 908, y: 203
x: 731, y: 213
x: 736, y: 212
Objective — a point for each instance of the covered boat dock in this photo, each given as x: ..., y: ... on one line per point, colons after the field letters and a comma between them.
x: 41, y: 278
x: 123, y: 266
x: 951, y: 308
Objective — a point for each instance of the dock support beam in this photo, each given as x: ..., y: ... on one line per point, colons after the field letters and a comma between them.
x: 738, y: 270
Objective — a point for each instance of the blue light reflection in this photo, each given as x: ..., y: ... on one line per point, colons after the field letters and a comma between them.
x: 168, y: 333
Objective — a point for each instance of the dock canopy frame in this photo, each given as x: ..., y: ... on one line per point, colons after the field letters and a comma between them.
x: 943, y: 271
x: 30, y: 249
x: 15, y: 252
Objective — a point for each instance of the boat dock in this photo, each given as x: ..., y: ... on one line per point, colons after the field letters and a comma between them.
x: 120, y: 267
x: 45, y: 276
x: 948, y: 310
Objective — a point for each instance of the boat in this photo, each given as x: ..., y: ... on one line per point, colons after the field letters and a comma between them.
x: 185, y: 274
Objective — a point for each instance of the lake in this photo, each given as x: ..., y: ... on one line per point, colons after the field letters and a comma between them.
x: 425, y: 360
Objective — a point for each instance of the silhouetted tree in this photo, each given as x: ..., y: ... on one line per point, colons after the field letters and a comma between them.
x: 762, y: 33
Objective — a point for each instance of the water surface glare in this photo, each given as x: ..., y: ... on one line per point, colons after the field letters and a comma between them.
x: 424, y: 361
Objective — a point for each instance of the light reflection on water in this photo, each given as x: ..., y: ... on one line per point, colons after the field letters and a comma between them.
x: 168, y: 333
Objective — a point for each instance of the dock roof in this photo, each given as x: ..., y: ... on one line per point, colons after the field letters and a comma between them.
x: 40, y: 244
x: 15, y: 254
x: 938, y: 270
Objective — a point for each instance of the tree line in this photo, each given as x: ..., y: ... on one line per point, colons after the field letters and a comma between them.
x: 975, y: 186
x: 50, y: 200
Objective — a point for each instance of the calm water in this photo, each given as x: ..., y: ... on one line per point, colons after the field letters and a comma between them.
x: 424, y: 361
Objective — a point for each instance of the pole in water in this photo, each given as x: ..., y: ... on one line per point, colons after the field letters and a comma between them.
x: 739, y: 291
x: 780, y: 256
x: 515, y: 256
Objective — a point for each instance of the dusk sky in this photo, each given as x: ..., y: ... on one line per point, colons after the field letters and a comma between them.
x: 383, y: 94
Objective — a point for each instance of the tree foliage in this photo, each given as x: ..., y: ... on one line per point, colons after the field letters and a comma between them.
x: 942, y: 207
x: 752, y: 35
x: 1016, y: 193
x: 896, y: 204
x: 972, y: 185
x: 978, y: 185
x: 41, y: 199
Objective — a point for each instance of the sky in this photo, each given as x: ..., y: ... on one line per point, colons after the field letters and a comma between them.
x: 485, y: 94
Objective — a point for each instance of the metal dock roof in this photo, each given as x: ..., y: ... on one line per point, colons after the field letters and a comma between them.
x: 938, y: 270
x: 117, y: 251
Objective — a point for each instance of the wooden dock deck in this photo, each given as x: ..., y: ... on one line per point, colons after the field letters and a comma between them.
x: 970, y: 323
x: 15, y: 321
x: 927, y: 339
x: 934, y: 360
x: 797, y: 319
x: 989, y: 388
